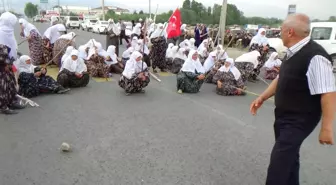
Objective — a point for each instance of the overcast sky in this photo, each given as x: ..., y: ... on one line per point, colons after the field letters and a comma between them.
x: 321, y: 9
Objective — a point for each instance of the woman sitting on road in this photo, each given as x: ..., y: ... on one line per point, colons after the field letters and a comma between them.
x: 83, y: 52
x: 34, y: 81
x: 61, y: 43
x: 246, y: 63
x: 66, y: 54
x: 178, y: 60
x: 126, y: 55
x: 191, y: 76
x: 112, y: 61
x: 73, y: 72
x: 96, y: 62
x: 34, y: 37
x: 49, y: 38
x: 229, y: 80
x: 135, y: 77
x: 170, y: 55
x: 272, y: 66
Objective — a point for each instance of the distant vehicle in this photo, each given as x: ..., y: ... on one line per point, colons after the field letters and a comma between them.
x: 324, y: 33
x: 88, y: 24
x: 100, y: 27
x: 38, y: 18
x: 72, y: 22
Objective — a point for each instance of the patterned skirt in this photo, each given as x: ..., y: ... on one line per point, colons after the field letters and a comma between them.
x: 7, y: 89
x: 68, y: 79
x: 177, y: 65
x: 47, y: 52
x: 246, y: 69
x: 36, y: 48
x: 209, y: 77
x: 98, y: 69
x: 187, y: 84
x: 134, y: 84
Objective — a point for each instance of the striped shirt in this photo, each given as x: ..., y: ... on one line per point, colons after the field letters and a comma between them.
x: 320, y: 74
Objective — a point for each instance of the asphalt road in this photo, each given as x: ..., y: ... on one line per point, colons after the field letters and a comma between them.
x: 157, y: 138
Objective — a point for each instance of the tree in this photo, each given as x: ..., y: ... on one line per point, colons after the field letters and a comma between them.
x: 141, y: 12
x: 30, y: 10
x: 186, y: 4
x: 209, y: 10
x: 135, y: 12
x: 332, y: 18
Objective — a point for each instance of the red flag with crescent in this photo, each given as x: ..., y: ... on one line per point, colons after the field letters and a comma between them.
x: 174, y: 24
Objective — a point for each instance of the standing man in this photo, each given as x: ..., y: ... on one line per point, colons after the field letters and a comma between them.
x: 123, y: 32
x: 304, y: 92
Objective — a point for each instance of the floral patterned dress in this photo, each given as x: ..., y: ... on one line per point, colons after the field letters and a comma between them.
x: 177, y: 65
x: 36, y: 48
x: 188, y: 82
x: 229, y: 84
x: 97, y: 67
x: 7, y: 80
x: 134, y: 84
x: 69, y: 79
x: 158, y: 53
x: 47, y: 49
x: 60, y: 46
x: 246, y: 69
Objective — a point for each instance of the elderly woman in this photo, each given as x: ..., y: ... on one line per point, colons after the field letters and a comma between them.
x: 158, y: 52
x: 178, y: 60
x: 112, y: 36
x: 111, y: 60
x: 272, y: 66
x: 170, y: 56
x: 8, y: 48
x: 34, y: 37
x: 59, y: 48
x: 67, y: 54
x: 49, y: 38
x: 260, y: 40
x: 246, y: 63
x: 135, y: 77
x: 229, y: 81
x: 96, y: 62
x: 211, y: 65
x: 34, y: 81
x: 203, y: 50
x: 126, y: 55
x: 191, y: 76
x: 73, y: 72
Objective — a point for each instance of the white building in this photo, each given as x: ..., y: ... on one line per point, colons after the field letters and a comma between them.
x: 117, y: 10
x: 76, y: 9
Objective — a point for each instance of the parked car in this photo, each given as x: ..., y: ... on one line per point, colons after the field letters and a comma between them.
x: 38, y: 18
x: 324, y: 33
x: 88, y: 24
x: 72, y: 22
x: 100, y: 27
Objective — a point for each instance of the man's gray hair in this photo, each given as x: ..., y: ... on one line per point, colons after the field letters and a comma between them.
x: 300, y: 23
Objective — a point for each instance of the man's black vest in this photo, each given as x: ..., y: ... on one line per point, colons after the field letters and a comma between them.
x: 292, y: 97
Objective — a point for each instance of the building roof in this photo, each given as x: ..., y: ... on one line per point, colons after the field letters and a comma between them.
x: 76, y: 8
x: 114, y: 8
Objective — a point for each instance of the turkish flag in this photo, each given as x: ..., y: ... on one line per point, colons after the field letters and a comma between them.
x: 174, y: 24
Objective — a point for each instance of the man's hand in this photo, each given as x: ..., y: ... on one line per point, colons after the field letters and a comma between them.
x: 326, y: 137
x: 201, y: 77
x: 255, y: 105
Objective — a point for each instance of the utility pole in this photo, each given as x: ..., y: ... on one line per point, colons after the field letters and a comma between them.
x: 223, y: 21
x: 150, y: 15
x: 103, y: 7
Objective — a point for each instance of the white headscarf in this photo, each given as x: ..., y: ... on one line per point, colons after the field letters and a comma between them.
x: 28, y: 27
x: 68, y: 36
x: 191, y: 65
x: 53, y: 19
x: 180, y: 54
x: 133, y: 67
x: 202, y: 49
x: 75, y: 66
x: 67, y: 53
x: 222, y: 55
x: 127, y: 53
x: 260, y: 39
x: 100, y: 50
x: 169, y: 50
x: 183, y: 27
x: 7, y: 23
x: 52, y: 33
x: 236, y: 73
x: 111, y: 53
x: 210, y: 61
x: 273, y: 61
x: 159, y: 31
x: 185, y: 44
x: 82, y: 52
x: 151, y: 28
x: 134, y: 42
x: 24, y: 67
x: 251, y: 57
x: 112, y: 26
x: 137, y: 29
x: 91, y: 43
x: 172, y: 52
x: 142, y: 48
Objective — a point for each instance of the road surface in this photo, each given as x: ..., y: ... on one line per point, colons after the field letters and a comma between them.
x: 159, y: 137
